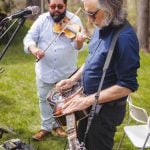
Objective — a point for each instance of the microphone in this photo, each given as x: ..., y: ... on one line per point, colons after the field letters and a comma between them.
x: 31, y: 10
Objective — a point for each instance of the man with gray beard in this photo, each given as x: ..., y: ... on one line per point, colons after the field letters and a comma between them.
x: 120, y: 79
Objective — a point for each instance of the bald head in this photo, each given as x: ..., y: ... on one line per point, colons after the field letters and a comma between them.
x: 90, y: 4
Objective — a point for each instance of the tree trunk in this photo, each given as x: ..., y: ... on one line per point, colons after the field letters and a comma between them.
x: 143, y: 24
x: 33, y: 2
x: 40, y: 3
x: 6, y: 5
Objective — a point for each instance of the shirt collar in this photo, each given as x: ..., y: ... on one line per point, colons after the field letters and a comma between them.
x: 106, y: 30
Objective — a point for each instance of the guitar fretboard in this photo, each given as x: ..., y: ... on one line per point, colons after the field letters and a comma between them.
x: 71, y: 132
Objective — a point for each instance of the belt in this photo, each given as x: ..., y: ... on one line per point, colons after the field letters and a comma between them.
x: 112, y: 104
x: 117, y: 103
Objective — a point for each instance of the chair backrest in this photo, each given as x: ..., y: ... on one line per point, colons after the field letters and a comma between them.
x: 137, y: 113
x: 148, y: 123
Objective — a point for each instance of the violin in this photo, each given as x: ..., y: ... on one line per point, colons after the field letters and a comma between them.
x: 69, y: 29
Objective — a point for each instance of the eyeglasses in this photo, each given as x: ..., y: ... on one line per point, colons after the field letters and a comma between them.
x: 91, y: 14
x: 59, y: 6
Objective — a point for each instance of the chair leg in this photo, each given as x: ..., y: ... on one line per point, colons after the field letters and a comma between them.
x: 122, y: 138
x: 145, y: 141
x: 120, y: 143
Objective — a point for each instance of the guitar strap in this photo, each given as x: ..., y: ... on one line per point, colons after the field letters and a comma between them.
x: 96, y: 107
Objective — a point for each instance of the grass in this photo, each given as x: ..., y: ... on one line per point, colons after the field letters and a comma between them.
x: 18, y: 99
x: 140, y: 98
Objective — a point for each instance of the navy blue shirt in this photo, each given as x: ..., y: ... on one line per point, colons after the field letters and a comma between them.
x: 123, y: 67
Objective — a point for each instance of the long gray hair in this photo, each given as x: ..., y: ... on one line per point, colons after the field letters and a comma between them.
x: 115, y: 11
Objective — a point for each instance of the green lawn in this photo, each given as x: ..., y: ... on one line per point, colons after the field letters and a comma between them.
x: 18, y: 99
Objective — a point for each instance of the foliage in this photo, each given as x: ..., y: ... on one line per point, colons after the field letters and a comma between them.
x: 6, y: 6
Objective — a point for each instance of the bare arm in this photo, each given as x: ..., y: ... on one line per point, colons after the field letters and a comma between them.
x: 110, y: 94
x: 80, y: 102
x: 77, y: 75
x: 68, y: 83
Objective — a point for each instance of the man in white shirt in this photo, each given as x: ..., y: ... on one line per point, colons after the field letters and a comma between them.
x: 58, y: 62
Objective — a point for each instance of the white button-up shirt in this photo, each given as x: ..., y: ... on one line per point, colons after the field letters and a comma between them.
x: 60, y: 60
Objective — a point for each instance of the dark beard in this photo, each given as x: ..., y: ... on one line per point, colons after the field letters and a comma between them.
x: 58, y: 17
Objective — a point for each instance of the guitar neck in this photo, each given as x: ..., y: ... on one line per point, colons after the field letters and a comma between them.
x: 71, y: 132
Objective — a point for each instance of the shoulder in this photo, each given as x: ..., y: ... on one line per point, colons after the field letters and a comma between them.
x: 127, y: 44
x: 128, y: 37
x: 128, y: 31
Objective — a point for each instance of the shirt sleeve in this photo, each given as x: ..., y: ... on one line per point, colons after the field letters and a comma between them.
x: 127, y: 60
x: 32, y: 36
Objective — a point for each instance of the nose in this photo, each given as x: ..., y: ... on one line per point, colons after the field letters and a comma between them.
x: 56, y: 8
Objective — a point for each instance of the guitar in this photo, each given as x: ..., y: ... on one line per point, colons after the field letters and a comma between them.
x: 73, y: 142
x: 57, y: 99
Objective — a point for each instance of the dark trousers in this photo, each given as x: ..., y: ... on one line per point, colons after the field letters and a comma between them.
x: 102, y: 131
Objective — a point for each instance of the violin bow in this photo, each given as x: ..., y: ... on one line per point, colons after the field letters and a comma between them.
x: 58, y: 35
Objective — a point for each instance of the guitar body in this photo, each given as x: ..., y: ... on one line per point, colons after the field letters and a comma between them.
x: 57, y: 99
x: 61, y: 119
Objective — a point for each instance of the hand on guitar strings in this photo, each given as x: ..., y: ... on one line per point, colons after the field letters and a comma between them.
x: 76, y: 103
x: 64, y: 84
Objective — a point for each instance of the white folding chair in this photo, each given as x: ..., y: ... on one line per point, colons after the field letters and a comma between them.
x: 138, y: 134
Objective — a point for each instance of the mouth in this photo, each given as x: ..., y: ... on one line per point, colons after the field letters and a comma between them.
x: 57, y: 13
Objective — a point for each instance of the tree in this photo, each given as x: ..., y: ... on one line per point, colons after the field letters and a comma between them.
x: 33, y: 2
x: 6, y: 5
x: 143, y: 24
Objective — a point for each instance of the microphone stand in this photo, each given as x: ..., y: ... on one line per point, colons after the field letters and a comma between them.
x: 20, y: 23
x: 1, y: 36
